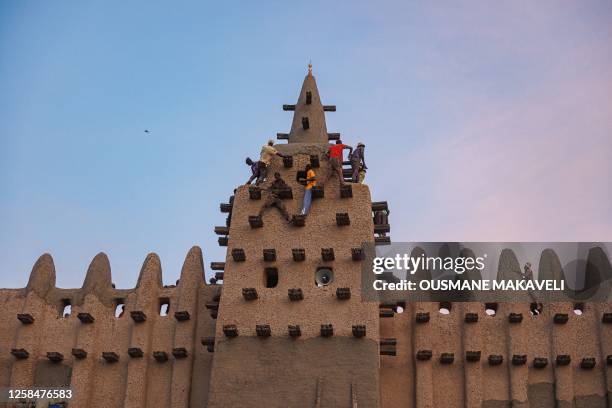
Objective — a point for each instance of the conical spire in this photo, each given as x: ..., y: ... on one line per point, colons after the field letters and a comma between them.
x: 309, y: 119
x: 151, y: 273
x: 42, y: 277
x: 98, y: 278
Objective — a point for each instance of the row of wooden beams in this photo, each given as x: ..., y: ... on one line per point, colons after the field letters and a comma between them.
x: 330, y: 135
x: 326, y: 108
x: 108, y: 356
x: 264, y: 330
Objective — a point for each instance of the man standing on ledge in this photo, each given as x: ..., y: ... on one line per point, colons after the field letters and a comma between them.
x: 311, y: 181
x: 335, y: 161
x: 357, y: 158
x: 267, y: 153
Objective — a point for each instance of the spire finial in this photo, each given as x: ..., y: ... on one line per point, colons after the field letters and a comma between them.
x: 310, y: 67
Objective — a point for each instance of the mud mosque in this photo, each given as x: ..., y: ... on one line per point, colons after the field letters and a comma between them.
x: 269, y: 333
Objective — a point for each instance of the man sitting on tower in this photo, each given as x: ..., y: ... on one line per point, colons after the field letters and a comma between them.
x: 274, y: 199
x: 335, y: 161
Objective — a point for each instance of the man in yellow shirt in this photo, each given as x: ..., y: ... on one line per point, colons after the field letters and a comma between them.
x: 311, y: 181
x: 267, y: 153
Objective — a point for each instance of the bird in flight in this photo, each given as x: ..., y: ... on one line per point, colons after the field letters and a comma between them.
x: 147, y: 131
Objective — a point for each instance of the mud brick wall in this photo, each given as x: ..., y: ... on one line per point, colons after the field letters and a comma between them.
x: 407, y: 381
x: 299, y: 363
x: 131, y: 381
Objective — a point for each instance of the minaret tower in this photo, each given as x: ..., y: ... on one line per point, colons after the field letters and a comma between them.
x: 292, y: 329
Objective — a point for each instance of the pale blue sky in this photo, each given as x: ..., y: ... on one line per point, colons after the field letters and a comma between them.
x: 483, y: 120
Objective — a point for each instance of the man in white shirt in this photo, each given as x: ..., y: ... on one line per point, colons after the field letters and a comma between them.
x: 267, y: 153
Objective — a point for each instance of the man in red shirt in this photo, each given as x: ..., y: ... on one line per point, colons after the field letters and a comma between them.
x: 335, y: 161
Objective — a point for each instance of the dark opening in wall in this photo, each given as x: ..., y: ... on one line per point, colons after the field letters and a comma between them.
x: 324, y: 276
x: 164, y: 306
x: 535, y: 308
x: 308, y: 97
x: 271, y: 275
x: 66, y: 308
x: 119, y: 307
x: 300, y: 177
x: 491, y: 309
x: 578, y: 309
x: 445, y: 308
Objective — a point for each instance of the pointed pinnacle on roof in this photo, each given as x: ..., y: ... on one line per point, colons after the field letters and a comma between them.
x: 308, y: 125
